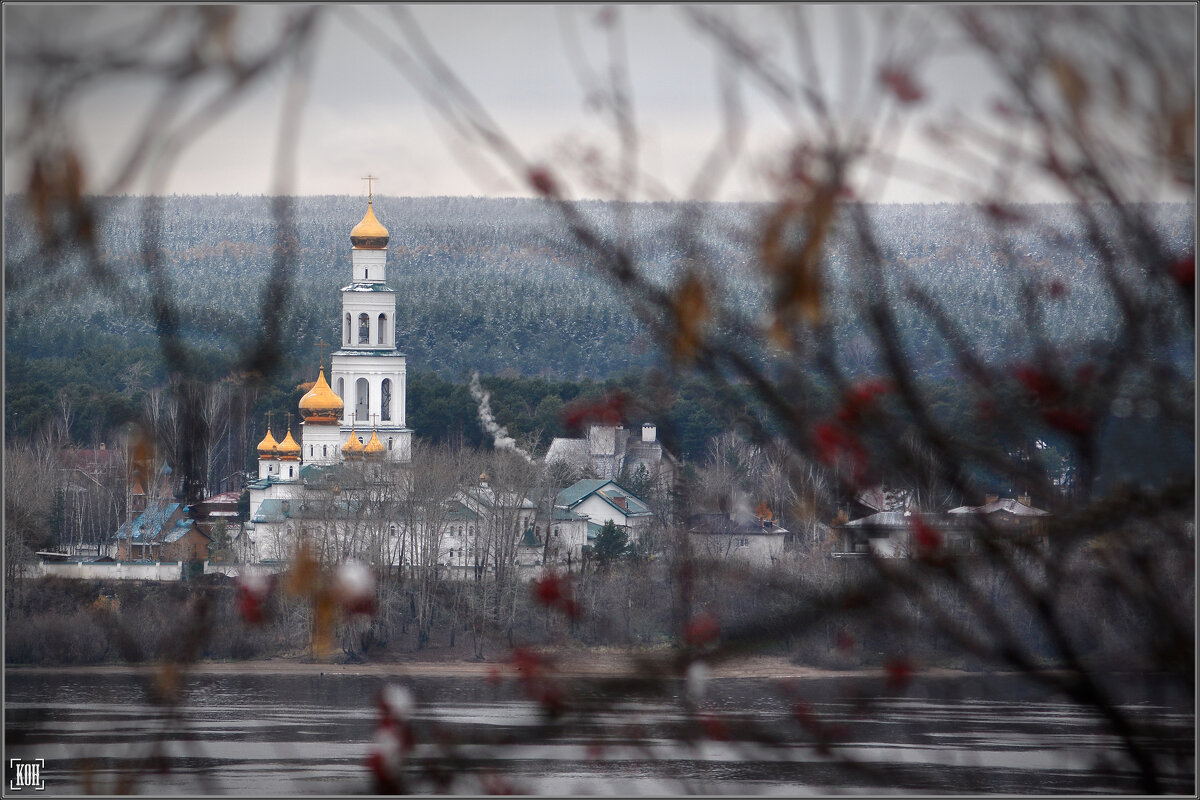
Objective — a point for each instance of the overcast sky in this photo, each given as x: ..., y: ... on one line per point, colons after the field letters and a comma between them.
x: 362, y: 115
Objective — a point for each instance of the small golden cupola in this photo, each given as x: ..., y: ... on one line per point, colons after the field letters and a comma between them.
x: 289, y: 450
x: 353, y: 448
x: 369, y: 234
x: 321, y: 406
x: 373, y: 448
x: 268, y: 447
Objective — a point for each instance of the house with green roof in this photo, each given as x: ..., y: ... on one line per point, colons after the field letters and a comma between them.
x: 599, y: 501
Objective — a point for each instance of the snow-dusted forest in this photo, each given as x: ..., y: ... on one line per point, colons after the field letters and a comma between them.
x: 501, y: 286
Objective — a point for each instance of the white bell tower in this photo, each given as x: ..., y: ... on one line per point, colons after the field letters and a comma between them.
x: 368, y: 372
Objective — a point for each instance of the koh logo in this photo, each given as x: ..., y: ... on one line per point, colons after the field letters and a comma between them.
x: 26, y: 774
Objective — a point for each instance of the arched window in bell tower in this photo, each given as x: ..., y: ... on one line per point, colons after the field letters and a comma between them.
x: 361, y: 402
x: 348, y: 329
x: 382, y: 327
x: 341, y: 390
x: 364, y: 329
x: 385, y: 401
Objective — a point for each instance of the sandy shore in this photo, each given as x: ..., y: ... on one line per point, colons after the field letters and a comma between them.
x: 572, y: 664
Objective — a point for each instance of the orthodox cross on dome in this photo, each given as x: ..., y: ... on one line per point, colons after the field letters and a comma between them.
x: 269, y: 413
x: 321, y: 349
x: 370, y: 192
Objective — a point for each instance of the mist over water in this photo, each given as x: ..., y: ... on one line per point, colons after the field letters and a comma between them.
x: 309, y: 734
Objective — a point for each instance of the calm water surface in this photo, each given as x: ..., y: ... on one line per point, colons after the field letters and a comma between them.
x: 306, y: 734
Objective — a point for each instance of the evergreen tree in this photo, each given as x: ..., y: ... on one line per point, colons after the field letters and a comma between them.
x: 611, y: 543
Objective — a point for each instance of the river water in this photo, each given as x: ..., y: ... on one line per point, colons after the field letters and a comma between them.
x: 310, y: 734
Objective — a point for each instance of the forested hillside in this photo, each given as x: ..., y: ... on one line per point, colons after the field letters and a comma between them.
x: 499, y: 287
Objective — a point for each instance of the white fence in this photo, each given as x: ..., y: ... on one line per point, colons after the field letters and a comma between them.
x: 113, y: 570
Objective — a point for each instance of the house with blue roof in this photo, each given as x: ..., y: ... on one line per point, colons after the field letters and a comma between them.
x: 163, y: 531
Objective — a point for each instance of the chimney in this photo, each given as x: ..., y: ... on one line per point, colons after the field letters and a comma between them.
x: 102, y: 445
x: 649, y: 432
x: 1025, y: 500
x: 990, y: 498
x: 620, y: 501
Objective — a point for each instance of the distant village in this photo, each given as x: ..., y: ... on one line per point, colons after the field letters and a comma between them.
x: 348, y: 488
x: 361, y: 509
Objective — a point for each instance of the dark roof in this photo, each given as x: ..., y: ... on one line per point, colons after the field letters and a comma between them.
x: 459, y: 513
x: 607, y: 490
x: 160, y: 523
x: 737, y: 522
x: 562, y: 514
x: 1014, y: 507
x: 579, y: 490
x: 274, y: 509
x: 885, y: 519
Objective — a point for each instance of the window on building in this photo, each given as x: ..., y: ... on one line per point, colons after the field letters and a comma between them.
x: 389, y: 443
x: 341, y: 386
x: 364, y: 329
x: 310, y: 451
x: 382, y: 327
x: 289, y: 471
x: 452, y: 552
x: 362, y: 402
x: 385, y: 399
x: 325, y: 451
x: 347, y: 337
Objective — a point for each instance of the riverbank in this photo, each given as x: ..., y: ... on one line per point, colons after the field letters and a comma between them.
x: 574, y: 663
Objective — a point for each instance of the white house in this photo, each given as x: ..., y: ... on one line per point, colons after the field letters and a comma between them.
x: 744, y: 536
x: 601, y: 501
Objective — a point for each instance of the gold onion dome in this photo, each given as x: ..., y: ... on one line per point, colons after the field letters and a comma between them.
x: 373, y: 448
x: 288, y: 449
x: 353, y: 447
x: 321, y: 406
x: 369, y: 234
x: 268, y: 447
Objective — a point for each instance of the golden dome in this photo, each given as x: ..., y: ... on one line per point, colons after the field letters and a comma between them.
x: 321, y: 406
x: 369, y: 234
x: 353, y: 447
x: 268, y: 447
x: 374, y: 447
x: 288, y: 449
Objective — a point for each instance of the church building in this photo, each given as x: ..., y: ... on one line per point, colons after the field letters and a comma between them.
x: 358, y: 415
